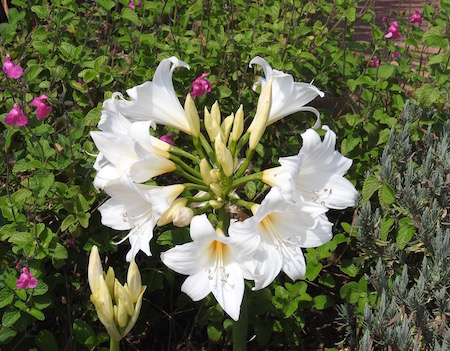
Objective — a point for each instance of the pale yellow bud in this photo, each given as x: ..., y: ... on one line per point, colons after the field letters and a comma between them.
x: 167, y: 216
x: 215, y: 175
x: 134, y: 281
x: 258, y: 125
x: 215, y: 113
x: 121, y: 294
x: 216, y: 204
x: 216, y: 131
x: 192, y: 115
x: 122, y: 315
x: 238, y: 125
x: 109, y: 279
x: 204, y: 171
x: 216, y: 189
x: 95, y: 269
x: 208, y: 121
x: 224, y: 157
x: 226, y: 127
x: 182, y: 217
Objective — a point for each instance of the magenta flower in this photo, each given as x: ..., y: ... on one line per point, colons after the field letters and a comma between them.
x: 395, y: 55
x: 416, y: 18
x: 167, y: 138
x: 375, y: 62
x: 43, y: 110
x: 16, y: 117
x: 131, y: 5
x: 393, y: 31
x: 71, y: 242
x: 201, y: 86
x: 384, y: 19
x: 26, y: 280
x: 11, y: 69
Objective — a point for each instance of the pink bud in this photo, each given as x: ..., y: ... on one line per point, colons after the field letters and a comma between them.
x: 26, y: 280
x: 16, y: 117
x: 11, y: 69
x: 395, y: 55
x: 375, y: 62
x: 416, y: 18
x: 131, y: 5
x: 384, y: 19
x: 201, y: 86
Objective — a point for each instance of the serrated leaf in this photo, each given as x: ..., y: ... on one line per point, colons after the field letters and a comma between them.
x: 106, y: 4
x: 427, y: 95
x: 10, y: 316
x: 67, y: 222
x: 58, y: 252
x: 131, y: 16
x: 349, y: 268
x: 40, y: 289
x: 93, y: 116
x: 386, y: 194
x: 327, y: 280
x: 385, y: 71
x: 39, y: 315
x: 312, y: 270
x: 435, y: 37
x: 6, y: 334
x: 406, y: 232
x: 386, y: 225
x: 370, y: 186
x: 350, y: 292
x: 6, y: 297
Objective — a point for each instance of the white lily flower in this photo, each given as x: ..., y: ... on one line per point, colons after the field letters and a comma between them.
x: 156, y: 100
x: 284, y: 228
x: 214, y: 263
x: 288, y: 96
x: 318, y: 171
x: 137, y: 207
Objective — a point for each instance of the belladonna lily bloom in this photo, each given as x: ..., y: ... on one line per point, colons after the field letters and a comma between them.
x: 156, y: 100
x: 288, y: 96
x: 137, y: 207
x: 317, y: 172
x: 283, y: 228
x: 215, y: 263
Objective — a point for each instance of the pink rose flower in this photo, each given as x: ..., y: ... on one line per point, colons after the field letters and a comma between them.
x: 375, y: 62
x: 167, y: 138
x: 416, y: 18
x: 201, y: 86
x: 395, y: 55
x: 11, y: 69
x: 16, y: 117
x: 43, y: 110
x: 393, y: 31
x: 26, y: 280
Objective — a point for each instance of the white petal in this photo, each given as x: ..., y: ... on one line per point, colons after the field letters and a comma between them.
x: 112, y: 212
x: 111, y: 120
x: 228, y: 289
x: 268, y: 262
x: 294, y: 262
x: 185, y: 259
x: 202, y: 229
x: 197, y: 286
x: 156, y: 100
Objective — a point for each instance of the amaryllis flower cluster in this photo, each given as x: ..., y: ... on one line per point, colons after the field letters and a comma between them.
x: 231, y: 237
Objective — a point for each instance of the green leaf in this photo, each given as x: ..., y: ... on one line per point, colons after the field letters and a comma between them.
x: 67, y: 222
x: 46, y: 341
x: 58, y: 252
x: 82, y: 330
x: 349, y: 268
x: 406, y: 232
x: 386, y: 225
x: 93, y: 116
x: 434, y: 37
x: 40, y: 289
x: 10, y: 316
x: 312, y: 270
x: 214, y: 332
x: 6, y: 334
x: 427, y: 95
x: 130, y: 15
x: 327, y: 280
x: 38, y: 314
x: 386, y: 194
x: 41, y: 11
x: 350, y: 292
x: 106, y: 4
x: 385, y: 71
x: 350, y: 13
x: 42, y: 46
x: 370, y: 186
x: 6, y: 297
x: 173, y: 237
x: 322, y: 301
x: 250, y: 189
x: 34, y: 72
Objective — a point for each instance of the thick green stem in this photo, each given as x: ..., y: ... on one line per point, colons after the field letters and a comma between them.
x: 207, y: 147
x: 243, y: 180
x: 245, y: 164
x: 186, y: 167
x: 114, y: 345
x: 240, y: 328
x: 177, y: 151
x: 242, y: 141
x: 188, y: 176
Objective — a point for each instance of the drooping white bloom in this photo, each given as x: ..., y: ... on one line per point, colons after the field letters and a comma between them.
x: 137, y: 207
x: 214, y: 263
x: 288, y: 96
x: 318, y: 171
x: 156, y: 100
x: 284, y: 228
